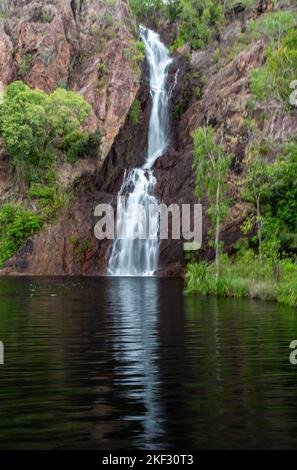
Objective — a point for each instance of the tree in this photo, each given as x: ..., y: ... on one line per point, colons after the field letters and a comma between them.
x: 199, y: 18
x: 211, y: 165
x: 283, y: 197
x: 155, y: 9
x: 256, y: 186
x: 33, y: 124
x: 280, y: 69
x: 274, y: 25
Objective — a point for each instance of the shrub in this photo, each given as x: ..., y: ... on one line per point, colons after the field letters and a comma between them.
x: 38, y: 191
x: 81, y: 144
x: 32, y: 125
x: 134, y: 112
x: 152, y: 10
x: 177, y: 44
x: 199, y: 20
x: 274, y: 25
x: 278, y: 72
x: 62, y: 84
x: 198, y: 279
x: 16, y: 224
x: 24, y: 66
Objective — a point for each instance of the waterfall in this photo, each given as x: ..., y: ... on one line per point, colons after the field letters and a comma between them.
x: 132, y: 255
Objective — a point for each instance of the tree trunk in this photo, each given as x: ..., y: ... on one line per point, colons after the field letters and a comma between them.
x: 259, y: 226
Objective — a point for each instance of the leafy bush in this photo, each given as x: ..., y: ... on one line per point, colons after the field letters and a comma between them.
x: 81, y: 144
x: 177, y: 44
x: 231, y: 5
x: 135, y: 53
x: 81, y: 246
x: 283, y: 191
x: 178, y: 110
x: 16, y: 224
x: 62, y: 84
x: 38, y: 191
x: 211, y: 166
x: 199, y: 280
x: 199, y: 20
x: 25, y: 63
x: 274, y: 25
x: 32, y: 125
x: 145, y: 10
x: 134, y: 112
x: 278, y: 72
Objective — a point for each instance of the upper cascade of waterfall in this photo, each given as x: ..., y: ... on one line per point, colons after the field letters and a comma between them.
x: 159, y: 61
x: 134, y: 255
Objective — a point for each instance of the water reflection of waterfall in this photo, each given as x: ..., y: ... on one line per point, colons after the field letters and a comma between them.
x: 135, y: 346
x: 135, y: 254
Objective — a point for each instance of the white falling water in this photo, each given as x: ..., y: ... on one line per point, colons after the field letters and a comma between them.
x: 132, y: 255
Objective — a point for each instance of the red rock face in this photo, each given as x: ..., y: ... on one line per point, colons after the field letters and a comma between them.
x: 79, y: 44
x: 69, y: 246
x: 7, y: 66
x: 66, y: 248
x: 43, y: 55
x: 64, y: 44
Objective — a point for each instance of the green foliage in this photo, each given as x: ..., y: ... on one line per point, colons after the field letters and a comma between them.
x: 62, y: 84
x: 134, y: 112
x: 152, y: 10
x: 101, y: 69
x: 257, y: 181
x: 46, y: 17
x: 274, y: 25
x: 25, y: 63
x: 198, y: 279
x: 135, y: 53
x: 230, y: 5
x: 242, y: 276
x: 198, y: 93
x: 79, y: 144
x: 42, y: 192
x: 178, y: 110
x: 145, y: 8
x: 250, y: 106
x: 32, y: 125
x: 81, y: 246
x: 272, y: 189
x: 278, y: 72
x: 177, y: 44
x: 85, y: 246
x: 16, y: 224
x: 211, y: 165
x: 199, y: 21
x: 283, y: 197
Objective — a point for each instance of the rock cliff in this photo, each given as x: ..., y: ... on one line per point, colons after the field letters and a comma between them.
x: 209, y: 87
x: 79, y: 44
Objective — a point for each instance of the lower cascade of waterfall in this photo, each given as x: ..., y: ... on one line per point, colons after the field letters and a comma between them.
x: 137, y: 252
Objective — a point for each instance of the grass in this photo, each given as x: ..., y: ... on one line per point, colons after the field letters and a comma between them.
x: 244, y: 277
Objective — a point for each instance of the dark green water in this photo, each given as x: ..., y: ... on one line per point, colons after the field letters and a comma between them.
x: 111, y: 363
